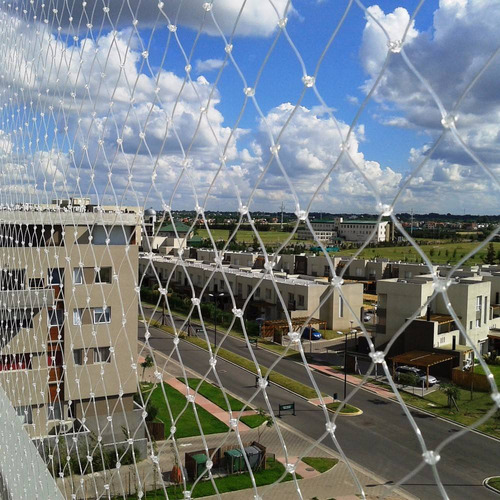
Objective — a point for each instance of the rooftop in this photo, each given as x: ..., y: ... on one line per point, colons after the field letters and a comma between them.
x: 68, y: 218
x: 421, y: 358
x: 169, y: 228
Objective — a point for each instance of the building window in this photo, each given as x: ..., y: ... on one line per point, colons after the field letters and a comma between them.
x: 479, y: 300
x: 240, y: 289
x: 341, y: 307
x: 77, y: 317
x: 268, y: 293
x: 485, y: 308
x: 56, y: 317
x: 102, y: 355
x: 478, y: 323
x: 56, y: 276
x: 103, y: 275
x: 54, y: 411
x: 77, y: 276
x: 102, y: 315
x: 78, y: 356
x: 25, y: 414
x: 36, y: 283
x: 301, y: 300
x: 470, y: 325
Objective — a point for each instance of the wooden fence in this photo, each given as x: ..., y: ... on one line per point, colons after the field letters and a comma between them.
x: 465, y: 380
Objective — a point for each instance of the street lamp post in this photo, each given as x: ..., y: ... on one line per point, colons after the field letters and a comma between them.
x: 345, y: 363
x: 215, y: 296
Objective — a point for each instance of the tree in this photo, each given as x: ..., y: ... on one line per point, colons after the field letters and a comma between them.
x: 406, y: 379
x: 490, y: 254
x: 147, y: 363
x: 452, y: 392
x: 268, y: 420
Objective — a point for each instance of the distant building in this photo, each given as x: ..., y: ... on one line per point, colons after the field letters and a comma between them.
x: 363, y: 230
x: 333, y: 230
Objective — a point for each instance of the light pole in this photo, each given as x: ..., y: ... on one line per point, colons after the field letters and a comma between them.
x: 345, y: 362
x: 215, y: 296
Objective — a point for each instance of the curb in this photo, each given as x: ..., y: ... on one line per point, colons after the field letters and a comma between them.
x: 486, y: 485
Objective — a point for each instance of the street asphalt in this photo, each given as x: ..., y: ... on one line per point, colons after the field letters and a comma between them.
x: 381, y: 440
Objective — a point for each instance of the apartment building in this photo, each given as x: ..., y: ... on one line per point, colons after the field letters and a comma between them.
x: 399, y: 299
x: 302, y: 296
x: 361, y: 231
x: 325, y: 230
x: 68, y: 320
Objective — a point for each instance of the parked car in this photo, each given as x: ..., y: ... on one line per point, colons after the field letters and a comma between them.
x: 367, y: 317
x: 408, y: 370
x: 311, y: 333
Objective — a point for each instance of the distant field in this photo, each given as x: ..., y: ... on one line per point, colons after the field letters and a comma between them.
x: 268, y: 237
x: 439, y: 253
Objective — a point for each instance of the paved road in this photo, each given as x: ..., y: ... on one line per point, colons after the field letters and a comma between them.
x: 380, y: 440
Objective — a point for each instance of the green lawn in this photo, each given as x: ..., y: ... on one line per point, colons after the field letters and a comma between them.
x: 469, y: 411
x: 438, y: 251
x: 186, y: 425
x: 226, y: 484
x: 253, y: 420
x: 494, y: 482
x: 214, y: 394
x: 346, y: 409
x: 321, y: 464
x: 268, y: 237
x: 495, y: 369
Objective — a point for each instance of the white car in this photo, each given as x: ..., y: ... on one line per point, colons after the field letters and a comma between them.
x: 422, y: 379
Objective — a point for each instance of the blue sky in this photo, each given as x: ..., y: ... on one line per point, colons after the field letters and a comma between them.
x: 116, y: 152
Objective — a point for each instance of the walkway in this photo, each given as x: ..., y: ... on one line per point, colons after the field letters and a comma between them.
x: 207, y: 405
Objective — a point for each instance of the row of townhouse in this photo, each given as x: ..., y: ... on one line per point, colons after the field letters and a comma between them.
x: 302, y: 297
x: 68, y: 320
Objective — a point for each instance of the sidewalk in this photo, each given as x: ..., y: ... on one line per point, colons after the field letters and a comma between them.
x: 380, y: 391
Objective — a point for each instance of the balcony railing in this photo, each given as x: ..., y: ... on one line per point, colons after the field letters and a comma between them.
x: 31, y: 299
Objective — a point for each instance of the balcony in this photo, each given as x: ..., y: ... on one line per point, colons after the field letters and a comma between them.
x: 30, y: 299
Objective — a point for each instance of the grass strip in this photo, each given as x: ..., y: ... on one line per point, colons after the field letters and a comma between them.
x: 345, y: 409
x: 253, y: 420
x: 274, y: 470
x: 264, y: 344
x: 214, y: 394
x: 494, y: 483
x: 186, y: 425
x: 276, y: 378
x: 321, y: 464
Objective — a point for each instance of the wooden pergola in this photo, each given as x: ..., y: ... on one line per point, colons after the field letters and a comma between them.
x: 420, y: 359
x: 269, y: 327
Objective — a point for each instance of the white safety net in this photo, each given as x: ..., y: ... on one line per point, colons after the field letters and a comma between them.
x: 128, y: 131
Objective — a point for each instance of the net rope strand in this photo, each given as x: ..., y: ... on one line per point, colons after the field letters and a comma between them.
x: 70, y: 129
